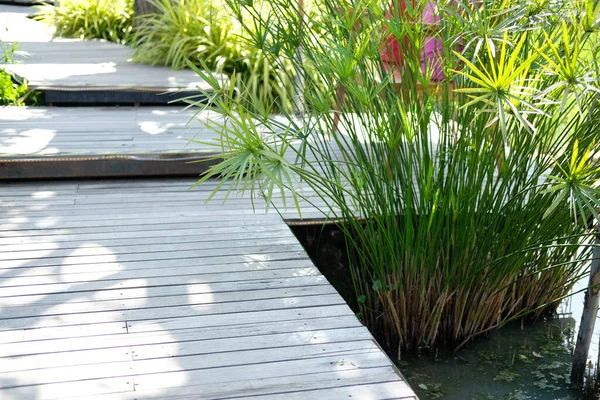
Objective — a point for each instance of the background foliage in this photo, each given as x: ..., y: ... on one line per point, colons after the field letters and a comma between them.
x: 206, y: 34
x: 13, y: 92
x: 110, y: 20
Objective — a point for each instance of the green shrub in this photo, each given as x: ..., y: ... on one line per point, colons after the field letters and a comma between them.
x: 91, y: 19
x: 11, y: 92
x: 194, y: 30
x: 464, y: 208
x: 205, y: 33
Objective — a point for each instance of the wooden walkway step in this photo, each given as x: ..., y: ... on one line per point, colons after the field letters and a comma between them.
x: 15, y: 26
x: 139, y: 290
x: 97, y: 72
x: 63, y: 142
x: 71, y: 71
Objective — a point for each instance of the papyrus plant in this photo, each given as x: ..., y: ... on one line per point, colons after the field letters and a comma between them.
x: 443, y: 189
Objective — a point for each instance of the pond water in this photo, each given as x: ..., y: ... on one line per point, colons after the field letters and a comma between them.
x: 530, y: 362
x: 518, y: 362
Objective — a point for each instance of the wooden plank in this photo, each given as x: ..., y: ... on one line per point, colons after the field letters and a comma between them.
x: 263, y: 386
x: 12, y: 351
x: 79, y: 241
x: 60, y: 64
x: 92, y: 331
x: 166, y: 381
x: 46, y: 204
x: 148, y: 256
x: 177, y: 198
x: 187, y: 266
x: 44, y: 131
x: 166, y: 227
x: 335, y: 358
x: 186, y: 203
x: 375, y: 391
x: 188, y: 288
x: 98, y: 333
x: 22, y: 227
x: 285, y: 340
x: 167, y: 208
x: 145, y: 247
x: 107, y: 187
x: 188, y: 193
x: 51, y: 276
x: 71, y: 389
x: 343, y: 352
x: 164, y: 301
x: 47, y: 213
x: 39, y: 333
x: 49, y: 223
x: 53, y: 360
x: 119, y: 284
x: 170, y: 312
x: 180, y: 347
x: 283, y: 314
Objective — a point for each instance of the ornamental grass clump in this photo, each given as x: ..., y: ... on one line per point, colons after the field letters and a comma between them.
x: 466, y: 201
x: 204, y: 33
x: 110, y: 20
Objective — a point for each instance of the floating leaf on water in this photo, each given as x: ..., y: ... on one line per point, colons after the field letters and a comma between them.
x: 506, y: 376
x: 523, y: 358
x: 422, y: 386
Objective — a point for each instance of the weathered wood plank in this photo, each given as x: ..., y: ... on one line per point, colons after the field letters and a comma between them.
x: 40, y: 333
x: 144, y: 238
x: 144, y: 247
x: 160, y: 385
x: 335, y: 358
x: 146, y: 269
x: 375, y: 391
x: 180, y: 347
x: 343, y: 352
x: 51, y: 286
x: 148, y: 236
x: 236, y: 331
x: 164, y: 301
x: 60, y: 390
x: 186, y: 288
x: 148, y: 256
x: 256, y: 387
x: 59, y: 64
x: 127, y: 229
x: 97, y: 333
x: 171, y: 312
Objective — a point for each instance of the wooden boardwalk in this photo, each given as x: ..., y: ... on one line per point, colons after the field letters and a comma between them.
x: 137, y: 289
